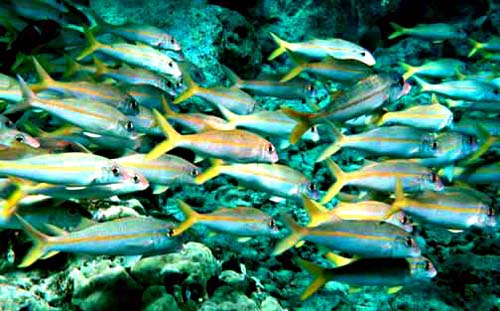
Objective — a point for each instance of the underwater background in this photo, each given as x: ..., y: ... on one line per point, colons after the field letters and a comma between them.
x: 220, y: 224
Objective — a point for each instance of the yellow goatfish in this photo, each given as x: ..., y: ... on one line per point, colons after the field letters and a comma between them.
x: 233, y: 145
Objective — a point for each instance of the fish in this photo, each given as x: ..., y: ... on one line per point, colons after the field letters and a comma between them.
x: 196, y: 122
x: 290, y: 90
x: 103, y: 93
x: 393, y: 272
x: 5, y: 123
x: 482, y: 174
x: 146, y: 95
x: 486, y: 106
x: 394, y: 141
x: 492, y: 45
x: 434, y: 32
x: 92, y: 116
x: 362, y: 210
x: 74, y: 68
x: 276, y: 179
x: 69, y: 169
x: 38, y: 10
x: 139, y: 55
x: 469, y: 90
x: 163, y: 171
x: 71, y: 217
x: 232, y: 98
x: 370, y: 239
x: 135, y: 76
x: 273, y: 123
x: 321, y: 48
x: 233, y: 145
x: 8, y: 136
x: 120, y: 237
x: 434, y: 117
x: 136, y: 182
x: 441, y: 68
x: 450, y: 147
x: 362, y: 98
x: 10, y: 89
x: 329, y: 68
x: 241, y: 221
x: 452, y: 209
x: 382, y: 176
x: 144, y: 33
x: 144, y: 122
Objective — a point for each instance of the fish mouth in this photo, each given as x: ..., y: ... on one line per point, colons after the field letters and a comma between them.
x: 406, y: 89
x: 33, y: 143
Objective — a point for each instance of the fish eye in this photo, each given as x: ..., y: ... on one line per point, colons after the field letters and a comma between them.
x: 490, y: 212
x: 428, y: 265
x: 172, y: 41
x: 310, y: 87
x: 433, y: 177
x: 409, y: 242
x: 133, y: 104
x: 495, y: 91
x: 9, y: 123
x: 401, y: 81
x: 471, y: 140
x: 72, y: 211
x: 136, y: 179
x: 434, y: 145
x: 405, y: 220
x: 363, y: 54
x: 170, y: 232
x: 270, y: 148
x: 116, y: 171
x: 311, y: 187
x: 169, y: 84
x: 302, y: 100
x: 19, y: 138
x: 170, y: 64
x: 129, y: 126
x: 272, y: 223
x: 314, y: 129
x: 194, y: 172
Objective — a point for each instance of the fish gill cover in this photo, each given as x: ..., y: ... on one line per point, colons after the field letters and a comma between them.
x: 266, y: 155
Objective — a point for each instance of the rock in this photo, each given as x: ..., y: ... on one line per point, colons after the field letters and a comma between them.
x: 194, y: 264
x: 226, y: 299
x: 271, y: 304
x: 156, y: 298
x: 102, y: 286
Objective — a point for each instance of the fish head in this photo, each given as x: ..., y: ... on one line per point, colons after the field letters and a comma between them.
x: 173, y: 69
x: 5, y: 122
x: 9, y: 137
x: 421, y: 268
x: 268, y: 153
x: 486, y: 217
x: 310, y: 190
x: 405, y: 246
x: 190, y: 173
x: 167, y: 42
x: 312, y: 134
x: 74, y: 218
x: 129, y: 106
x: 431, y: 181
x: 112, y: 173
x: 401, y: 220
x: 126, y: 128
x: 398, y: 88
x: 136, y: 181
x: 469, y: 144
x: 430, y: 145
x: 362, y: 55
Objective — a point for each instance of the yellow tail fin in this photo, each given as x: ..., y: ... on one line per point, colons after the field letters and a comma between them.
x: 316, y: 212
x: 487, y: 141
x: 282, y: 47
x: 398, y: 31
x: 333, y: 148
x: 100, y: 68
x: 72, y: 67
x: 399, y: 199
x: 476, y: 46
x: 296, y: 234
x: 425, y: 86
x: 192, y: 90
x: 40, y: 244
x: 94, y: 45
x: 338, y: 260
x: 318, y: 274
x: 173, y: 138
x: 45, y: 79
x: 341, y: 179
x: 409, y: 70
x: 10, y: 205
x: 191, y: 218
x: 301, y: 65
x: 304, y: 122
x: 211, y: 172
